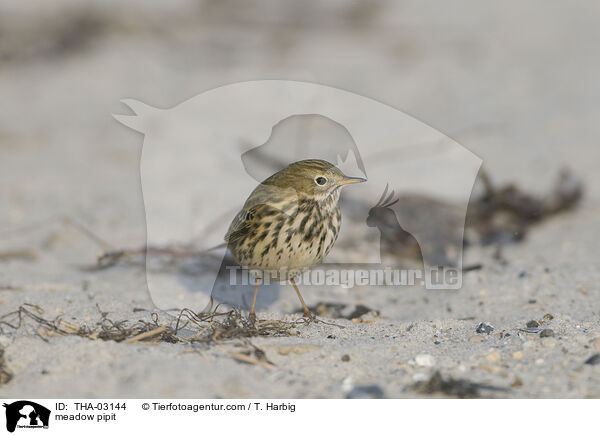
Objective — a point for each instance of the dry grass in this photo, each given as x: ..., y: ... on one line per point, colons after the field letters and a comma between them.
x: 186, y: 327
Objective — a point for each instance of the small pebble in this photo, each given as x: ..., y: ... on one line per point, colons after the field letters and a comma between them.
x: 547, y: 333
x: 493, y: 357
x: 532, y: 324
x: 484, y: 327
x: 548, y: 316
x: 346, y: 358
x: 365, y: 392
x: 347, y: 384
x: 476, y: 339
x: 424, y: 360
x: 517, y: 355
x: 549, y: 342
x: 594, y: 360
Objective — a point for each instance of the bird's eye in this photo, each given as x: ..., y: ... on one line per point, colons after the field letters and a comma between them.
x: 320, y: 180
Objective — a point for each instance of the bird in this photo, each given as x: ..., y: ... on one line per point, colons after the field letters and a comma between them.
x: 289, y: 222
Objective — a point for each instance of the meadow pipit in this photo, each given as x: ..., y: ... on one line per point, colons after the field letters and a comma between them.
x: 289, y: 222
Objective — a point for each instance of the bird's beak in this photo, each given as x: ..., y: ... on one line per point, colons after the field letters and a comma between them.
x: 351, y: 180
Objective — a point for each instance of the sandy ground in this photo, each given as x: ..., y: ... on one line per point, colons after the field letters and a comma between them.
x: 516, y: 84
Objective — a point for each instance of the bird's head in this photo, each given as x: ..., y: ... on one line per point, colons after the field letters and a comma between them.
x: 314, y: 179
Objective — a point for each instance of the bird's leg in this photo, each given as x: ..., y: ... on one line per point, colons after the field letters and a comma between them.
x: 306, y: 310
x: 252, y: 315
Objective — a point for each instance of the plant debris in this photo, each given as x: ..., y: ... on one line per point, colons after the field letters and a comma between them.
x: 498, y: 216
x: 164, y: 256
x: 5, y: 373
x: 18, y: 254
x: 187, y: 327
x: 255, y: 356
x: 333, y: 310
x: 505, y: 214
x: 460, y: 388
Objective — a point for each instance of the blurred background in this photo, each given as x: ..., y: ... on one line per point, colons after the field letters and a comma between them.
x: 515, y: 83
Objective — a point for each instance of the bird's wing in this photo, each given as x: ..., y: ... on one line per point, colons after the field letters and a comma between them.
x: 265, y: 199
x: 241, y: 223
